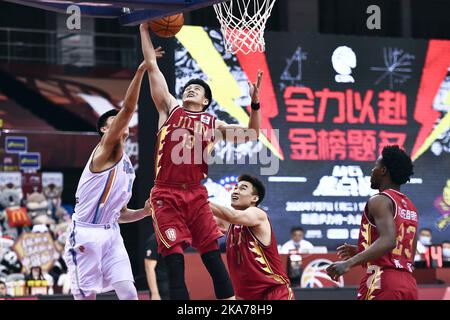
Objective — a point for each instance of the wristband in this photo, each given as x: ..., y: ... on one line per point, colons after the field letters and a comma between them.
x: 255, y: 106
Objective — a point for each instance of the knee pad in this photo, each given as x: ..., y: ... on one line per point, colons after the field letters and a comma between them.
x: 216, y: 268
x: 175, y: 270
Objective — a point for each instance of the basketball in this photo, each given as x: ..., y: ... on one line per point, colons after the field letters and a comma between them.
x: 167, y: 27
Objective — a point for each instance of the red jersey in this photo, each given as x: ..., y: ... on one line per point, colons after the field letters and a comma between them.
x: 254, y: 269
x: 406, y: 221
x: 183, y: 146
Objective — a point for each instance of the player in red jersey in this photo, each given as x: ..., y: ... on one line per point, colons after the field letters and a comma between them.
x: 181, y: 215
x: 252, y: 254
x: 387, y: 238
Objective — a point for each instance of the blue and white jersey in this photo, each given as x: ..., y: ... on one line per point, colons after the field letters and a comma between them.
x: 101, y: 196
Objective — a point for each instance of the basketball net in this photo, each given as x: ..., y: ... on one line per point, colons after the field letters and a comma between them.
x: 243, y: 24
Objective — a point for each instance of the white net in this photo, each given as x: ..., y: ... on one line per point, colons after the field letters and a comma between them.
x: 243, y: 23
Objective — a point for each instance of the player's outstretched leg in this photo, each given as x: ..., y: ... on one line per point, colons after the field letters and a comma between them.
x: 216, y: 268
x: 175, y: 271
x: 125, y: 290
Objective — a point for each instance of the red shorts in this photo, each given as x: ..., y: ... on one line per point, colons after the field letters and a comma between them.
x: 274, y: 292
x: 388, y: 284
x: 283, y: 292
x: 182, y: 218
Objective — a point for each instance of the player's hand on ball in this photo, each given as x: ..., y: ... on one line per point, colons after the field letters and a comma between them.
x: 337, y: 269
x: 254, y: 87
x: 346, y: 251
x: 144, y: 25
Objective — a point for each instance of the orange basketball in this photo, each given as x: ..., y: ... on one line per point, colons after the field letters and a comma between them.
x: 168, y: 26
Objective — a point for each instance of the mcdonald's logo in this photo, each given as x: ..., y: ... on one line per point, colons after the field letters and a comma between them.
x: 17, y: 217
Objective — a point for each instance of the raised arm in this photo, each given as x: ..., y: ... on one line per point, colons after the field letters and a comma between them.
x: 110, y: 147
x: 122, y: 120
x: 237, y: 133
x: 382, y: 211
x: 161, y: 96
x: 250, y: 217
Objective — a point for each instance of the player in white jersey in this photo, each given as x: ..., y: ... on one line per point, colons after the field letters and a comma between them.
x: 95, y: 253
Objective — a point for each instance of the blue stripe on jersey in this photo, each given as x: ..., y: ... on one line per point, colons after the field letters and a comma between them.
x: 97, y: 211
x: 74, y: 257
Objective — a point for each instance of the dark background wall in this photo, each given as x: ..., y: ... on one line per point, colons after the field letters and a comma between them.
x: 400, y: 18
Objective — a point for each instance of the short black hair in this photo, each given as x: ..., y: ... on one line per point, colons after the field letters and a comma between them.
x: 425, y: 229
x: 200, y: 82
x: 398, y: 163
x: 446, y: 242
x: 2, y: 282
x: 101, y: 122
x: 297, y: 228
x: 257, y: 186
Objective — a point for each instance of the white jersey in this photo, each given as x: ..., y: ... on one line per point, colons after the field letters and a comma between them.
x: 101, y: 196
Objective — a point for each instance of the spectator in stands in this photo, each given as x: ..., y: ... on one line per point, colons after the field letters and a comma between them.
x: 35, y: 274
x: 425, y: 237
x: 155, y: 269
x: 446, y: 253
x: 297, y: 244
x: 3, y: 292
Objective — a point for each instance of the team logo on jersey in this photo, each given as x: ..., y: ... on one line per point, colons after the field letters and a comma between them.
x: 315, y: 275
x: 159, y: 203
x: 149, y: 253
x: 205, y: 119
x: 82, y: 249
x: 171, y: 234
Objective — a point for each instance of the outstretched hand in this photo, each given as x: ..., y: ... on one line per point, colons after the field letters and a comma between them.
x: 337, y: 269
x: 254, y: 87
x: 346, y: 251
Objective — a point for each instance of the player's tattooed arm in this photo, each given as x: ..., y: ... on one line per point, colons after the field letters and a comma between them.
x: 161, y: 96
x: 250, y: 217
x: 381, y: 210
x: 130, y: 215
x: 239, y: 134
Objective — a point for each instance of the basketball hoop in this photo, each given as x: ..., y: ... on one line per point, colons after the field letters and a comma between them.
x: 243, y: 23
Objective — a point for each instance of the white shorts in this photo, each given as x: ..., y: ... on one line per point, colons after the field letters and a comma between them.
x: 96, y: 258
